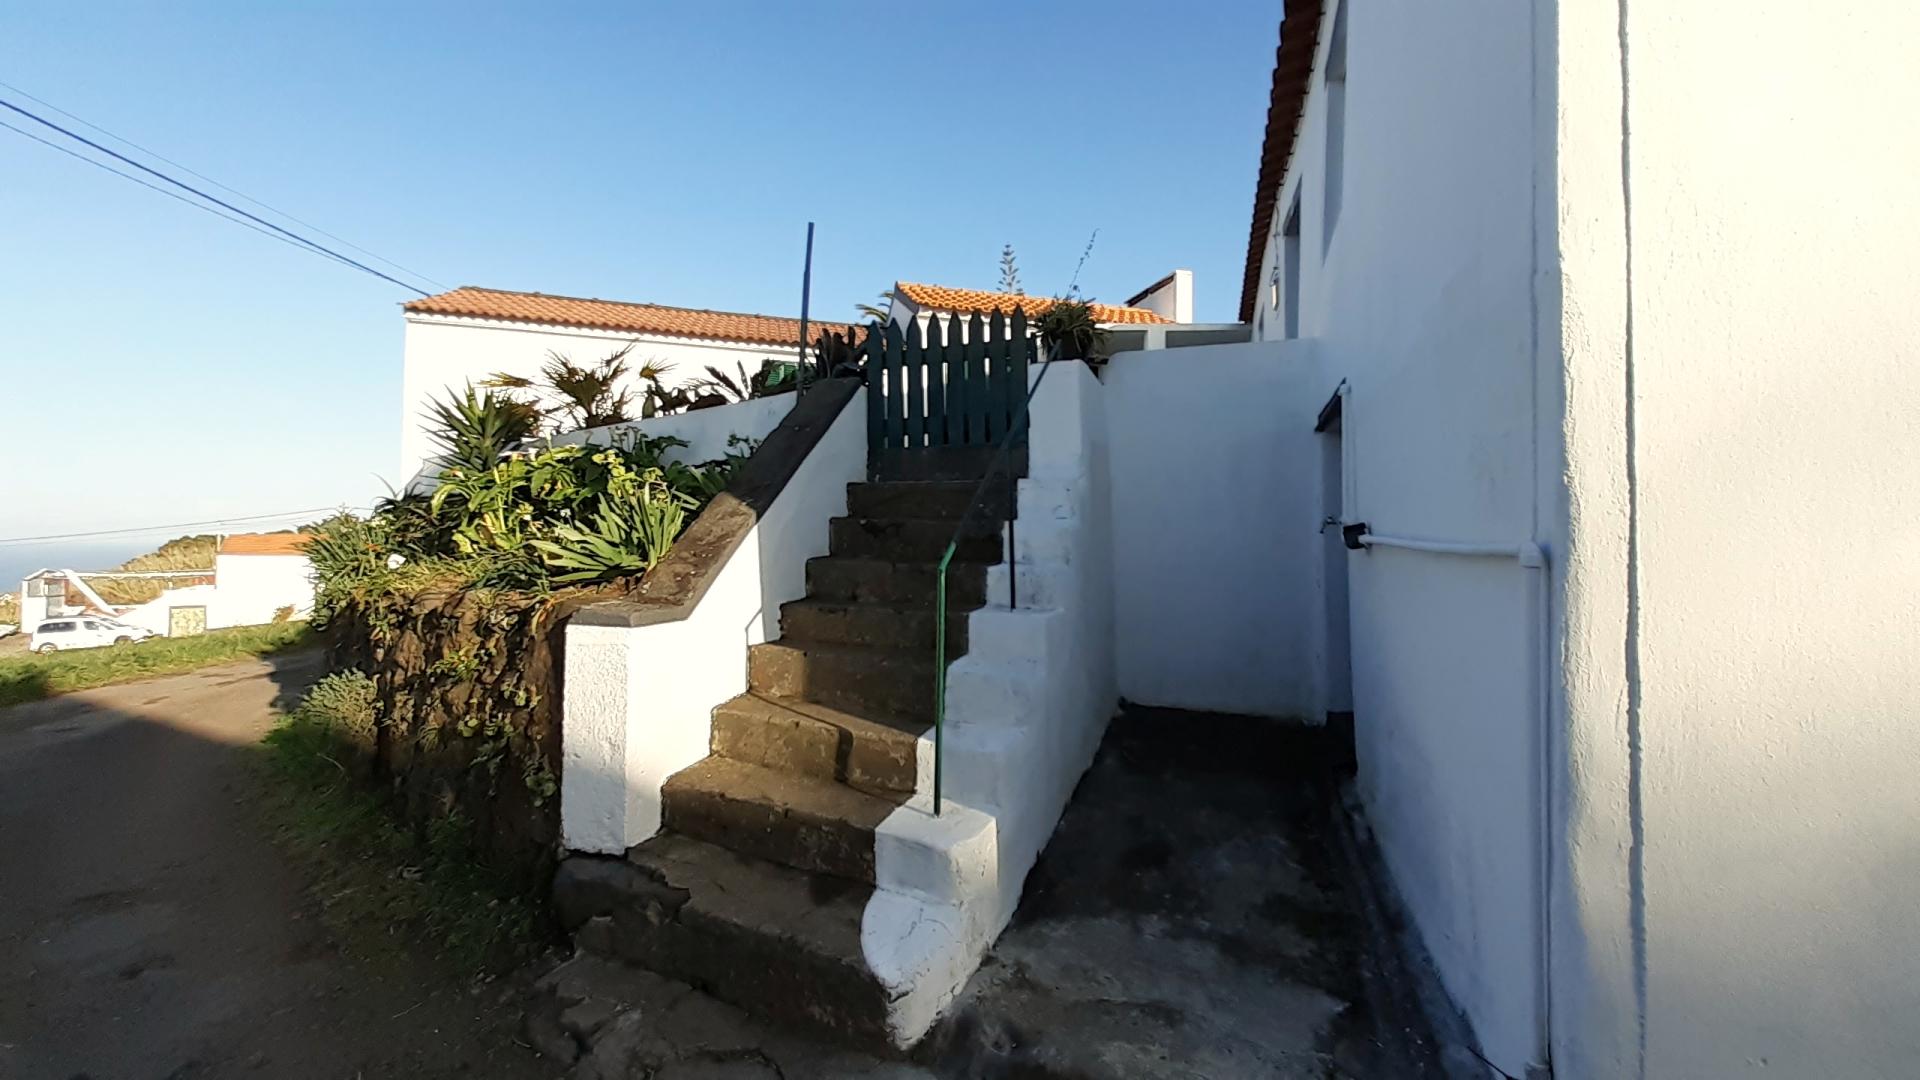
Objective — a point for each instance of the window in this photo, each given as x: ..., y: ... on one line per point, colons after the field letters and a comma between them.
x: 55, y: 627
x: 1336, y: 156
x: 91, y: 625
x: 1290, y: 274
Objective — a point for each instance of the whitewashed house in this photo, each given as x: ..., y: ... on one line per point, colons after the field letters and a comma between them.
x: 257, y: 578
x: 463, y: 337
x: 1590, y: 324
x: 1568, y: 461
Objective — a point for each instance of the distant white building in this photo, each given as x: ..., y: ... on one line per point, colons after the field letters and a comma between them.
x: 465, y: 336
x: 257, y: 578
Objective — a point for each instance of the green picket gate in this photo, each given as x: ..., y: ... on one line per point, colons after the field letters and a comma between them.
x: 957, y: 387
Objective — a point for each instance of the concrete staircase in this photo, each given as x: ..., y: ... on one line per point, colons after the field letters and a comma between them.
x: 756, y: 888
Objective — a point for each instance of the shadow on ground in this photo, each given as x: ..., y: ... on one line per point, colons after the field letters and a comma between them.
x: 149, y: 926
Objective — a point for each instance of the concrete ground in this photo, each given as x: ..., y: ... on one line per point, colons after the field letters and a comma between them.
x: 1191, y: 917
x: 149, y: 928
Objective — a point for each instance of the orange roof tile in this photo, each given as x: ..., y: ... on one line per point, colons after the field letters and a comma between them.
x: 1286, y: 107
x: 942, y: 298
x: 265, y: 543
x: 617, y: 315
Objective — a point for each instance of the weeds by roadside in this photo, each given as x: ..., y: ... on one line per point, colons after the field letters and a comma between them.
x: 375, y: 880
x: 30, y: 677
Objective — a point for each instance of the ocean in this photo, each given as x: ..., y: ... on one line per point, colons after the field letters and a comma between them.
x: 19, y: 560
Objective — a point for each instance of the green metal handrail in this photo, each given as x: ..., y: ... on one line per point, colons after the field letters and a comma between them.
x: 1015, y: 430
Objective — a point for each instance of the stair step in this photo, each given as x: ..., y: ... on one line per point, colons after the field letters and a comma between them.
x: 778, y: 942
x: 911, y: 539
x: 815, y: 741
x: 831, y: 622
x: 804, y: 822
x: 848, y: 579
x: 895, y: 683
x: 945, y: 499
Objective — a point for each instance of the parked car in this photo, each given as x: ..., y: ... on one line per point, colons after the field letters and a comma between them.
x: 84, y: 632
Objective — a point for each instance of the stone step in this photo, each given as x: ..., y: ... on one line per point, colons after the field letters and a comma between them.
x: 820, y: 826
x: 959, y: 463
x: 947, y: 499
x: 780, y: 943
x: 819, y: 742
x: 895, y: 683
x: 911, y: 539
x: 832, y: 622
x: 848, y: 579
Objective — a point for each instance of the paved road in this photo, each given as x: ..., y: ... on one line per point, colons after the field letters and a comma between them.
x: 149, y: 928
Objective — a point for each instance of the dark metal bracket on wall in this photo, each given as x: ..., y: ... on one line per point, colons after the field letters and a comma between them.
x: 1352, y: 534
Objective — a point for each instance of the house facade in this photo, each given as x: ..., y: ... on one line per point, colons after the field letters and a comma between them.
x: 257, y: 578
x: 465, y: 336
x: 1594, y: 302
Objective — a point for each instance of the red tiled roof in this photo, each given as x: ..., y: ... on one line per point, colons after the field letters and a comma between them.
x: 942, y: 298
x: 1292, y: 74
x: 620, y: 316
x: 265, y: 543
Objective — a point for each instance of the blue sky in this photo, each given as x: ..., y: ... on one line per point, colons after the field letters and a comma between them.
x: 162, y: 366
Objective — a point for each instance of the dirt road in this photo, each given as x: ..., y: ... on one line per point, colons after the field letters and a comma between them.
x: 149, y: 928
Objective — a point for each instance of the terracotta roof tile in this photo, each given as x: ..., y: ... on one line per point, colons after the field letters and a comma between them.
x: 619, y: 316
x: 265, y: 543
x: 1286, y: 102
x: 942, y: 298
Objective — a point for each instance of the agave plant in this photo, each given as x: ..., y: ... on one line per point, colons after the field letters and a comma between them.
x: 1069, y: 324
x: 473, y: 429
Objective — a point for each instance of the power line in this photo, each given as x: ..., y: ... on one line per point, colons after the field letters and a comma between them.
x: 84, y: 122
x: 77, y: 156
x: 210, y: 198
x: 252, y: 519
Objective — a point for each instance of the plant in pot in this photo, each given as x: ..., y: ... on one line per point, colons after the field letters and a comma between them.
x: 1069, y: 325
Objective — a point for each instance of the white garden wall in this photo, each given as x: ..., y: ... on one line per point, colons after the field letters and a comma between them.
x: 1739, y: 894
x: 445, y: 353
x: 640, y: 699
x: 707, y: 432
x: 1214, y: 473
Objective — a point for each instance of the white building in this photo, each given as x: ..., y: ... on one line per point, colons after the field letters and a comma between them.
x: 1158, y: 316
x: 465, y: 336
x: 257, y: 578
x: 1604, y: 314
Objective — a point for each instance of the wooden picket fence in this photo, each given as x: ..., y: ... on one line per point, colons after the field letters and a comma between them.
x: 959, y: 386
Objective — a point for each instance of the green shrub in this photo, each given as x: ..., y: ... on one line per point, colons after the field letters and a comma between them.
x: 343, y: 704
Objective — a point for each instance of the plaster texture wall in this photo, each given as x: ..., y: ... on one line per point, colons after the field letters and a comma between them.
x: 246, y: 591
x: 705, y: 431
x: 1026, y: 708
x: 1214, y: 473
x: 1422, y: 300
x: 1738, y: 894
x: 639, y: 700
x: 445, y: 353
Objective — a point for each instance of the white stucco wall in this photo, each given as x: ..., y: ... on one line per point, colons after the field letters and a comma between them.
x: 705, y: 431
x: 445, y: 353
x: 1739, y: 889
x: 247, y: 590
x: 639, y: 700
x: 1215, y: 474
x: 1423, y: 300
x: 1026, y: 708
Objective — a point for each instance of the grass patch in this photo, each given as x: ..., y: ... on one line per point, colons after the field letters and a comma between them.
x: 379, y: 884
x: 28, y: 677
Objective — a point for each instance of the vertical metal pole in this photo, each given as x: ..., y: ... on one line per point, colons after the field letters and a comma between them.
x: 1013, y: 543
x: 806, y: 295
x: 940, y: 670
